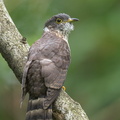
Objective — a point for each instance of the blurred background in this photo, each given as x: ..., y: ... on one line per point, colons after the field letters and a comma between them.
x: 93, y: 78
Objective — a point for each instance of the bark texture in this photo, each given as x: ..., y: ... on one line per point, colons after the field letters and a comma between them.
x: 14, y: 49
x: 13, y: 46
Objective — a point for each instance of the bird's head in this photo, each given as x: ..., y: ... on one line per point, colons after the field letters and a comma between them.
x: 61, y: 23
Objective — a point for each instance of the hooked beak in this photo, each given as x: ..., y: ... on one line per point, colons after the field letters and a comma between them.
x: 72, y: 19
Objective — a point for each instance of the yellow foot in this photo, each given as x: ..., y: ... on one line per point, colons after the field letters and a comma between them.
x: 64, y: 88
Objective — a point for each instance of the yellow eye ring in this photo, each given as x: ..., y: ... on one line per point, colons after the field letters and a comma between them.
x: 58, y: 20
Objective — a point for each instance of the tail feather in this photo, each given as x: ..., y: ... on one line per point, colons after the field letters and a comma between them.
x: 35, y: 110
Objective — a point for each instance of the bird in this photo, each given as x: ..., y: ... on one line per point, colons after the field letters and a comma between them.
x: 46, y: 68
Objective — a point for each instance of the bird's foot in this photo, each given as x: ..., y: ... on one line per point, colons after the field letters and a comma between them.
x: 64, y: 88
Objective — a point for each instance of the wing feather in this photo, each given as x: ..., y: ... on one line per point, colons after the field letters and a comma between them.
x: 53, y: 54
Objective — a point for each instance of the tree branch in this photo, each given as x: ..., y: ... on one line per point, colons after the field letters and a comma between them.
x: 14, y: 49
x: 12, y: 45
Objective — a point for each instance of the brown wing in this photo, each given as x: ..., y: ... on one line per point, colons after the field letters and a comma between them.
x: 55, y: 62
x: 24, y: 91
x: 54, y: 68
x: 54, y: 57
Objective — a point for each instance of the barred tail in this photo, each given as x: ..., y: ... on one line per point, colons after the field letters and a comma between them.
x: 35, y: 110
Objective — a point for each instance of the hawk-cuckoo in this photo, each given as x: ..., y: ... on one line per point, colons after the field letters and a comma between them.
x: 46, y: 67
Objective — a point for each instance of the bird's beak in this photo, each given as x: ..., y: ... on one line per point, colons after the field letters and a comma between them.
x: 72, y: 19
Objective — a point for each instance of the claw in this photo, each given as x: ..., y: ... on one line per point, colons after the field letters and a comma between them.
x: 64, y: 88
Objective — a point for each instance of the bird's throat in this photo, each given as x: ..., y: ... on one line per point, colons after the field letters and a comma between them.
x: 61, y: 34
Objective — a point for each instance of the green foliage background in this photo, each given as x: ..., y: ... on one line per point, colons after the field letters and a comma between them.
x: 94, y: 75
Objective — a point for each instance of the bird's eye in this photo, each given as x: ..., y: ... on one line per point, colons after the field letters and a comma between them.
x: 58, y: 20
